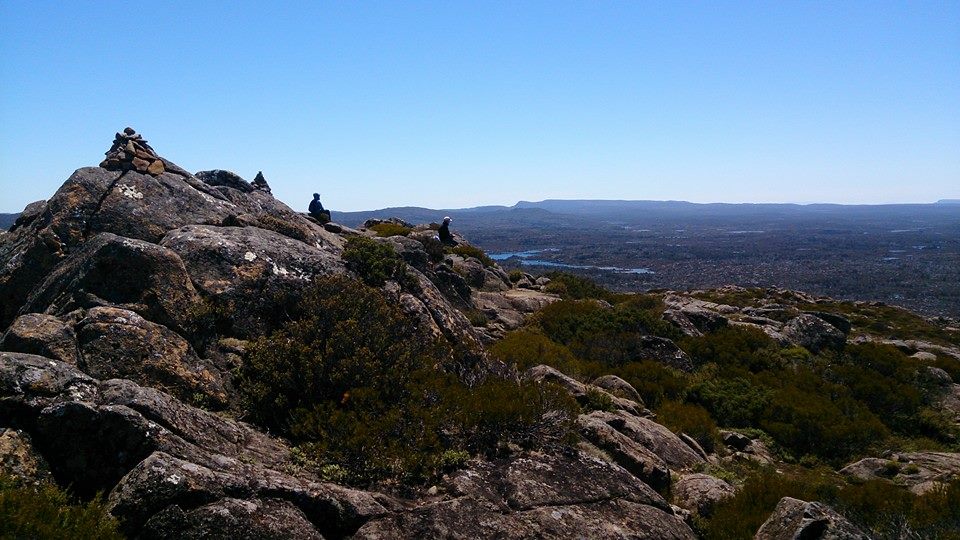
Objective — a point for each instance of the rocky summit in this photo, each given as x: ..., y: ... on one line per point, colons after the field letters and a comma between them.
x: 140, y: 300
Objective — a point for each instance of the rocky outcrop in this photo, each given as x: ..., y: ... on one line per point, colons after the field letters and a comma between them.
x: 664, y: 351
x: 580, y: 391
x: 919, y: 471
x: 119, y: 344
x: 618, y: 387
x: 43, y: 335
x: 20, y: 460
x: 536, y: 496
x: 659, y: 440
x: 814, y: 333
x: 625, y: 452
x: 248, y: 273
x: 795, y: 519
x: 110, y: 270
x: 699, y: 493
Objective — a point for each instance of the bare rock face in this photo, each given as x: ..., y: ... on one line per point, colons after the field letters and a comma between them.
x: 228, y: 179
x: 699, y: 492
x: 814, y: 333
x: 19, y: 459
x: 580, y: 391
x: 626, y: 452
x: 111, y: 270
x: 241, y: 519
x: 793, y: 519
x: 666, y: 352
x: 43, y: 335
x: 618, y: 387
x: 246, y: 271
x: 659, y: 440
x: 152, y: 452
x: 536, y: 496
x: 919, y: 471
x: 119, y: 344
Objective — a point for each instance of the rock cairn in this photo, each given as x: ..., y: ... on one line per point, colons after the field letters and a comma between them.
x: 260, y: 183
x: 130, y: 152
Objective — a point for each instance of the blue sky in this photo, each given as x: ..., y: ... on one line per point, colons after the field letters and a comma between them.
x: 454, y: 104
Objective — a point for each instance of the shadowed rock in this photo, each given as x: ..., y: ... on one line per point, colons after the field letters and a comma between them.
x: 795, y: 519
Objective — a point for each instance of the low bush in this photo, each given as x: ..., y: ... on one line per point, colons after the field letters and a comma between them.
x: 691, y: 419
x: 387, y: 228
x: 356, y: 386
x: 466, y: 250
x: 375, y: 262
x: 45, y: 511
x: 573, y: 287
x: 525, y: 349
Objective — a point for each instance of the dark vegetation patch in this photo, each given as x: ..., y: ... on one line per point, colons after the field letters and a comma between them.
x: 45, y: 511
x: 387, y: 228
x: 365, y: 396
x: 375, y: 262
x: 829, y: 408
x: 880, y: 508
x: 466, y: 250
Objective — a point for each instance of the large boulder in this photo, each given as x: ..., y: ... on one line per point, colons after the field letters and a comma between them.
x: 699, y: 493
x: 112, y: 270
x: 625, y: 452
x: 248, y: 273
x: 919, y: 471
x: 534, y: 495
x: 580, y: 391
x: 117, y: 343
x: 814, y: 333
x: 618, y: 387
x: 656, y: 438
x: 19, y: 459
x: 234, y: 519
x: 794, y: 519
x: 43, y: 335
x: 665, y: 352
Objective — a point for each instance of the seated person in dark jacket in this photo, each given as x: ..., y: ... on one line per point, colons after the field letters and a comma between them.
x: 316, y: 210
x: 444, y: 232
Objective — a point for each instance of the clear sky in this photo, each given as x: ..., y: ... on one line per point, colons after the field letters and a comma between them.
x: 457, y: 103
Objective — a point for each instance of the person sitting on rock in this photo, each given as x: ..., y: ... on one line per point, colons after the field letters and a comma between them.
x: 316, y: 210
x: 444, y: 232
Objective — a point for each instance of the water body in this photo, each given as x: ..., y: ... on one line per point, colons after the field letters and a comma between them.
x: 527, y: 258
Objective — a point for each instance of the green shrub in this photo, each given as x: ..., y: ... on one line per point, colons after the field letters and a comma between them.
x: 515, y: 276
x: 572, y: 287
x: 388, y: 228
x: 526, y: 349
x: 691, y: 419
x: 597, y: 400
x: 654, y: 381
x: 356, y: 386
x: 47, y: 512
x: 466, y: 250
x: 825, y: 422
x: 734, y: 348
x: 476, y: 317
x: 597, y: 333
x: 732, y: 402
x: 740, y: 516
x: 375, y: 262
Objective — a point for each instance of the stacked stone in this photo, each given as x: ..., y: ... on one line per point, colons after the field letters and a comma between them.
x: 261, y: 183
x: 130, y: 152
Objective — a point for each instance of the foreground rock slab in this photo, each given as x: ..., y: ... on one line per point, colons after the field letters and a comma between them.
x: 794, y: 519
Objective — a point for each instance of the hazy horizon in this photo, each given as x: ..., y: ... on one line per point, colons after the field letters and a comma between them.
x: 450, y: 106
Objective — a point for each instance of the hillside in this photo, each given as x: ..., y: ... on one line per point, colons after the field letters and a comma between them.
x: 218, y: 365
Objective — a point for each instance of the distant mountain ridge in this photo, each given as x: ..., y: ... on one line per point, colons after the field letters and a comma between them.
x: 7, y: 220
